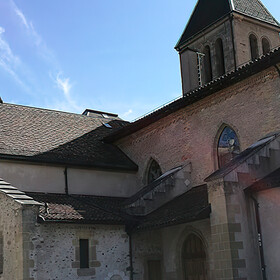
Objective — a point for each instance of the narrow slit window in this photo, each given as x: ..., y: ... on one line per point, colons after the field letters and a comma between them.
x: 220, y: 57
x: 84, y: 253
x: 208, y: 76
x: 254, y: 47
x: 265, y: 46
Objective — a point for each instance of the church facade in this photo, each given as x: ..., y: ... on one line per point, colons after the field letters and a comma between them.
x: 190, y: 191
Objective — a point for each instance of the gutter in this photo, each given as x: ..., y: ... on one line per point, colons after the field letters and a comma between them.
x: 260, y: 241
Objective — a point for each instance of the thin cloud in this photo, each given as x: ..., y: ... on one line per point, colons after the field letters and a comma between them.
x: 126, y: 114
x: 64, y: 84
x: 41, y: 46
x: 8, y: 61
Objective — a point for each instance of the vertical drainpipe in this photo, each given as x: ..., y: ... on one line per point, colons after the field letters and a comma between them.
x: 232, y: 38
x: 66, y: 180
x: 130, y: 256
x: 259, y: 229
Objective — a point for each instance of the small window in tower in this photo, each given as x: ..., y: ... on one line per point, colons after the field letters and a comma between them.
x: 207, y: 65
x: 220, y: 57
x: 254, y: 47
x: 265, y: 46
x: 228, y: 146
x: 84, y: 253
x: 154, y: 171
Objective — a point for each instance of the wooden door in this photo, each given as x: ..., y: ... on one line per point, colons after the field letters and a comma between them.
x: 194, y: 259
x: 154, y: 270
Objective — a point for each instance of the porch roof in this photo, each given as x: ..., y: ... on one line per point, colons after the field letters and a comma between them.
x: 191, y: 206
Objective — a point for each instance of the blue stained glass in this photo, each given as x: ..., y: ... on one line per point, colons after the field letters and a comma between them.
x: 227, y: 135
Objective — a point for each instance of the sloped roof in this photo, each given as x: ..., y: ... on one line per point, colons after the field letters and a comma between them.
x: 48, y: 136
x: 208, y: 12
x: 79, y: 208
x: 192, y: 205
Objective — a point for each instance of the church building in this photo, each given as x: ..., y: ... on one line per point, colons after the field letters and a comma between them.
x: 187, y: 192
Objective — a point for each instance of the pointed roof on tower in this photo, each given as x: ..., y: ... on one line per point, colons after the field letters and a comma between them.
x: 208, y: 12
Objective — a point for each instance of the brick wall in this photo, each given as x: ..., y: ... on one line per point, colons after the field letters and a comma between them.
x: 251, y: 107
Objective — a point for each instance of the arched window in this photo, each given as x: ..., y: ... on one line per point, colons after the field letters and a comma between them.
x: 207, y: 65
x: 228, y: 146
x: 254, y: 46
x: 220, y: 57
x: 194, y: 258
x: 265, y: 46
x: 154, y: 171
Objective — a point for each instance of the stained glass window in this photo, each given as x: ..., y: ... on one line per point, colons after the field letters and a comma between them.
x: 154, y: 171
x: 228, y: 146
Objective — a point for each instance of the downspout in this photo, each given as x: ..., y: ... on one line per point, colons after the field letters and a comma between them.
x: 259, y: 229
x: 66, y: 180
x: 130, y: 256
x: 232, y: 38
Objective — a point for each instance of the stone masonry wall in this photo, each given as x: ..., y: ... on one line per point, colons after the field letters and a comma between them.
x: 11, y: 233
x: 251, y: 107
x: 56, y: 252
x: 166, y: 246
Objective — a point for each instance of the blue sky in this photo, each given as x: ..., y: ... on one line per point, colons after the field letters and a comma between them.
x: 114, y: 55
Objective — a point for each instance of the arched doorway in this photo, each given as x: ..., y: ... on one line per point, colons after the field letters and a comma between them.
x: 194, y: 259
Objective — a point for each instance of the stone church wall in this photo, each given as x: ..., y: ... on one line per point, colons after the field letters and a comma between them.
x: 269, y: 217
x: 56, y: 252
x: 243, y: 28
x: 250, y: 107
x: 11, y: 255
x: 166, y: 246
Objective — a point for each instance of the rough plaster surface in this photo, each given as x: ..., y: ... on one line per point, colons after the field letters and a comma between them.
x: 54, y: 252
x: 11, y: 230
x: 43, y: 178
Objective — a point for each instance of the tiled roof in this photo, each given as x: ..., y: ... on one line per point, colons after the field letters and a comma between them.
x: 48, y: 136
x: 17, y: 195
x: 192, y: 205
x: 208, y: 12
x: 79, y: 208
x: 255, y: 9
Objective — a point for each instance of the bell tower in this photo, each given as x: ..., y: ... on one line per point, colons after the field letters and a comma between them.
x: 221, y: 36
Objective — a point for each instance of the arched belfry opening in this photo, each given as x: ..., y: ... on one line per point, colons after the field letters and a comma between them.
x: 194, y: 258
x: 208, y: 75
x: 228, y: 146
x: 154, y: 171
x: 254, y: 46
x: 220, y: 57
x: 265, y: 46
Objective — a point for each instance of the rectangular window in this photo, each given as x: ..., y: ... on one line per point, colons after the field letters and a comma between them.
x: 84, y: 253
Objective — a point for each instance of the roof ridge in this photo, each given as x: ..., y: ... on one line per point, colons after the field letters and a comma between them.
x: 55, y: 111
